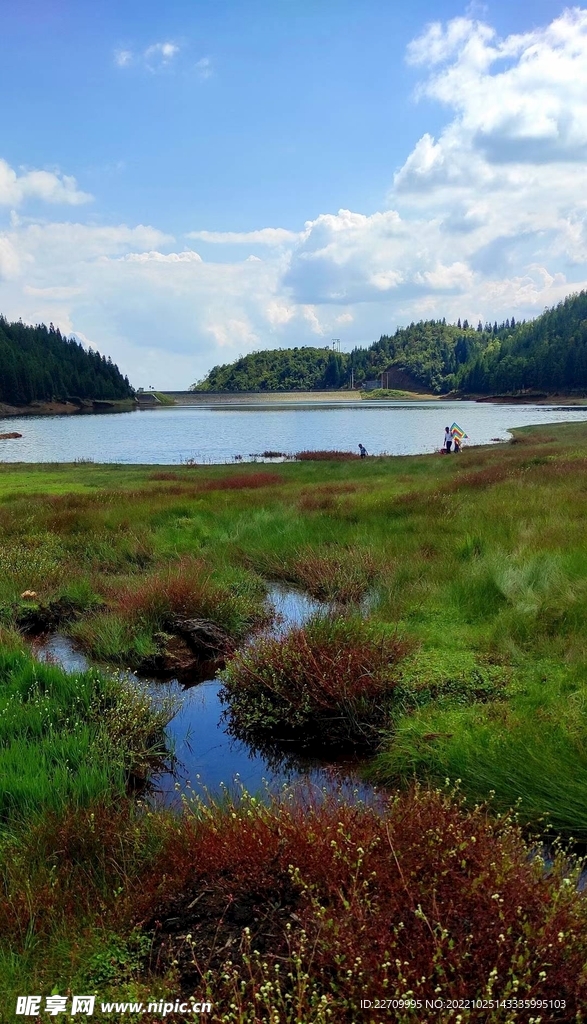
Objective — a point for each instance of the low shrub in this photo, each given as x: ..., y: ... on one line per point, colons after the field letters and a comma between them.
x: 294, y: 913
x: 329, y: 682
x: 325, y: 496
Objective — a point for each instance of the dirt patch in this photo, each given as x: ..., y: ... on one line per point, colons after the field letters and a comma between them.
x: 202, y: 928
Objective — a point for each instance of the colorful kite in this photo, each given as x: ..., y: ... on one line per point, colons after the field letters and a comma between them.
x: 456, y: 431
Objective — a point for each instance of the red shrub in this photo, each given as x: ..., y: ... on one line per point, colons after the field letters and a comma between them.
x: 239, y: 481
x: 181, y: 589
x: 418, y: 896
x: 329, y: 682
x: 326, y: 456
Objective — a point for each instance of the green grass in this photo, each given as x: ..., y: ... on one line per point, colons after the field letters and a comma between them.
x: 164, y: 399
x: 66, y: 740
x: 477, y: 565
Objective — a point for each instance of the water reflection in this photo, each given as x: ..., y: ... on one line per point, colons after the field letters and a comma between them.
x: 205, y: 757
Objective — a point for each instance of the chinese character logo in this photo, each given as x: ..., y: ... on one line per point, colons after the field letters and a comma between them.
x: 83, y: 1004
x: 55, y: 1005
x: 28, y: 1006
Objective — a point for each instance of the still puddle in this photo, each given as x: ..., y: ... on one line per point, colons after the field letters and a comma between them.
x: 206, y: 759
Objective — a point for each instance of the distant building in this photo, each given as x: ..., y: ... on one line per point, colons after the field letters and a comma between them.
x: 371, y: 385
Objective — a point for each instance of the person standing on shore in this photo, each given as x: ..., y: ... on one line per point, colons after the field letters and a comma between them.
x: 362, y: 450
x: 447, y: 439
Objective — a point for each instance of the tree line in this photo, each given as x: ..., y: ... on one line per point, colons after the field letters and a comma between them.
x: 547, y: 354
x: 39, y: 364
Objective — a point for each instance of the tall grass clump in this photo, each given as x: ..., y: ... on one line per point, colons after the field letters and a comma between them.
x: 333, y: 572
x: 330, y: 682
x: 68, y: 740
x: 528, y: 755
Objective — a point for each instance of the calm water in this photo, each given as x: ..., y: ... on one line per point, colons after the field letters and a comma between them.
x: 207, y: 758
x: 217, y: 434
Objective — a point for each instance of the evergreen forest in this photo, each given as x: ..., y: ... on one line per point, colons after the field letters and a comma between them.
x: 546, y: 354
x: 39, y: 364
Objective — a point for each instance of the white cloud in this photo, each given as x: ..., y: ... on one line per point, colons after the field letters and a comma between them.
x: 204, y: 68
x: 160, y: 55
x: 122, y: 58
x: 48, y: 186
x: 187, y: 256
x: 522, y: 99
x: 10, y: 262
x: 309, y: 315
x: 278, y: 314
x: 263, y: 236
x: 156, y: 57
x: 231, y: 333
x: 52, y: 293
x: 487, y: 219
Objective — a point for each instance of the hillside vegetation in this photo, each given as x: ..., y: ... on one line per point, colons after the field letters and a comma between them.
x: 40, y: 364
x: 548, y: 353
x: 282, y: 369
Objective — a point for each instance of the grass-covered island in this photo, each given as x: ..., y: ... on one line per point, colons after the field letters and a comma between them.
x: 455, y: 650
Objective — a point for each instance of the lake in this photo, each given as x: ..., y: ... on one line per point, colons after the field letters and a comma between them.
x: 215, y: 434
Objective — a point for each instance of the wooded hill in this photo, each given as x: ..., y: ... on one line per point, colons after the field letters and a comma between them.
x: 40, y: 364
x: 547, y: 354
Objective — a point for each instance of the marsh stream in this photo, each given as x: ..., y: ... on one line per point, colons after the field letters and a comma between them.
x: 205, y: 758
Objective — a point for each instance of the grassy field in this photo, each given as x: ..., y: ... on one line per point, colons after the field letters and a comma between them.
x: 455, y: 650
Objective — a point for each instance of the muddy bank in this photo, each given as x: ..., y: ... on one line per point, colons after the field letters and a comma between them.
x: 67, y: 408
x: 539, y: 398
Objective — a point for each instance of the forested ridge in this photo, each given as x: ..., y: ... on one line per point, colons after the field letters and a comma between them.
x: 39, y: 364
x: 547, y: 354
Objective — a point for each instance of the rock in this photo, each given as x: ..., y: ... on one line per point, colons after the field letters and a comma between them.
x: 179, y: 660
x: 204, y: 638
x: 13, y: 433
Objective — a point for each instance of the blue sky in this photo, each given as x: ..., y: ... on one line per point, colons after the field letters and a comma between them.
x: 184, y: 182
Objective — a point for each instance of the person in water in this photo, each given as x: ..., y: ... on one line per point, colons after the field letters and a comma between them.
x: 447, y: 439
x: 362, y: 450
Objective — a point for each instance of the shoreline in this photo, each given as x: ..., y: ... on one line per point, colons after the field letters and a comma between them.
x: 82, y: 408
x: 187, y: 399
x: 205, y: 398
